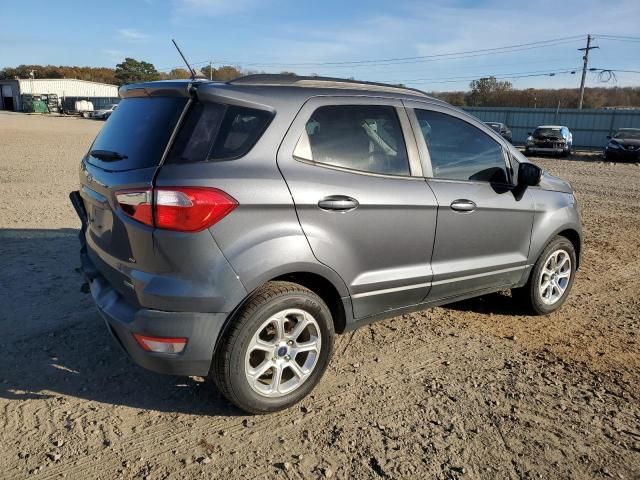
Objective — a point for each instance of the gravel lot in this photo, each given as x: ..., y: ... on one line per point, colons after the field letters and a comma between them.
x: 474, y: 390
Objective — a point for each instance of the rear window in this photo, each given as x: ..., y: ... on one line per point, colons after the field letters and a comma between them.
x: 214, y: 132
x: 139, y: 129
x: 547, y: 132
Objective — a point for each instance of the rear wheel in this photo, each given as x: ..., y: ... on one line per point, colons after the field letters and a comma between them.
x: 551, y: 279
x: 276, y: 350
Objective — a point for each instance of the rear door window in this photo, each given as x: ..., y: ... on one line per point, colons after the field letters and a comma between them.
x: 139, y: 129
x: 460, y: 151
x: 214, y: 132
x: 367, y: 138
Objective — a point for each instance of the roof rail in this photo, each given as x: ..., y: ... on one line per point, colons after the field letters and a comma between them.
x: 284, y: 80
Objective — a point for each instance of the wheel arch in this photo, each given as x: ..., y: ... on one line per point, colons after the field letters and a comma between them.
x: 320, y: 284
x: 574, y: 237
x: 325, y: 290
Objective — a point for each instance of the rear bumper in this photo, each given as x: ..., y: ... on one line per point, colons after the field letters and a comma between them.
x: 123, y: 320
x: 545, y: 149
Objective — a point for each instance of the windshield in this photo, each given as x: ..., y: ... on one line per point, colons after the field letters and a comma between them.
x: 547, y: 132
x: 628, y: 134
x: 138, y: 131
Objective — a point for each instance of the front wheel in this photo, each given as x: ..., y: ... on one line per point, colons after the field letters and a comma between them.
x: 276, y: 350
x: 551, y: 279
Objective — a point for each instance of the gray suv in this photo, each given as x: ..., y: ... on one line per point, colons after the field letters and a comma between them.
x: 230, y: 230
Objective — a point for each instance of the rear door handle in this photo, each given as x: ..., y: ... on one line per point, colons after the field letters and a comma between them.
x: 463, y: 205
x: 338, y: 203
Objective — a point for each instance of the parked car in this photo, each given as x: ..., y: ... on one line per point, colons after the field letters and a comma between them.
x: 502, y: 129
x: 241, y: 226
x: 554, y: 139
x: 624, y: 145
x: 104, y: 113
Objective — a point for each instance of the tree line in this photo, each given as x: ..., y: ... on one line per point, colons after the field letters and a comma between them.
x: 486, y: 92
x: 490, y: 92
x: 128, y: 71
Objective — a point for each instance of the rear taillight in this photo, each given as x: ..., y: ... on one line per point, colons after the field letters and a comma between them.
x: 184, y: 209
x: 160, y: 344
x: 137, y: 204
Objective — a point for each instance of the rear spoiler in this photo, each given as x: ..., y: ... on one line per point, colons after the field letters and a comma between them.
x: 166, y: 88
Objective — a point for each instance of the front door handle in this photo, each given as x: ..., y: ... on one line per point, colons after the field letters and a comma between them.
x: 338, y: 203
x: 463, y: 205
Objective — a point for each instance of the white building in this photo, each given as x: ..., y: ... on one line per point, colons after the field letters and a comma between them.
x: 11, y: 91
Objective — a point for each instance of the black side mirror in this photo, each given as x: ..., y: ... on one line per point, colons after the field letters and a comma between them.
x: 609, y: 137
x: 529, y: 175
x: 528, y: 133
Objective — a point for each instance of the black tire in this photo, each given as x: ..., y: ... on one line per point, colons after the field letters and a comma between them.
x: 228, y: 370
x: 530, y: 296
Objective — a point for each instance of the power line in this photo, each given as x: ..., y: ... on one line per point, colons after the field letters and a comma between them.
x: 546, y: 72
x: 501, y: 77
x: 406, y: 60
x: 507, y: 76
x: 484, y: 51
x: 623, y: 38
x: 613, y: 70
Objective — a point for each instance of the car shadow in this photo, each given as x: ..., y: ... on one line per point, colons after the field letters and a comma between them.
x: 499, y: 303
x: 54, y: 343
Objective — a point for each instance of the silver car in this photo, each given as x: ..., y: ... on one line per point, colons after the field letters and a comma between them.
x: 231, y: 230
x: 550, y: 139
x: 104, y: 113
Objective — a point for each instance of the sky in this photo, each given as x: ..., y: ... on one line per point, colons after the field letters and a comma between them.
x: 326, y: 37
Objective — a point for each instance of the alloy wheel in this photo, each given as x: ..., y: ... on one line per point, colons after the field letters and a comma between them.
x: 283, y: 353
x: 554, y: 277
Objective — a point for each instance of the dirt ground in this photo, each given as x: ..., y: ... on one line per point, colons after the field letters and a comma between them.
x: 473, y: 390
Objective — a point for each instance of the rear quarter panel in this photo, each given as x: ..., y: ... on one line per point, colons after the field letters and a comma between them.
x: 262, y: 238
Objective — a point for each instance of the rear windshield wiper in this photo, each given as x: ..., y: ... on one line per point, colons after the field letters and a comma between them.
x: 107, y: 155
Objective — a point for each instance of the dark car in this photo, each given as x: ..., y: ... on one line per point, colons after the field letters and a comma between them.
x: 624, y: 145
x: 502, y: 129
x: 230, y: 230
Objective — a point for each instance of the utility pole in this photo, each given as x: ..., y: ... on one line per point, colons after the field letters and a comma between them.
x: 210, y: 71
x: 585, y: 58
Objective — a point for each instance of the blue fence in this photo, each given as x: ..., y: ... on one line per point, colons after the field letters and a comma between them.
x: 589, y: 127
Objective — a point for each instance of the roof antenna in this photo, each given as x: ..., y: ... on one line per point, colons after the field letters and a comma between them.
x: 191, y: 70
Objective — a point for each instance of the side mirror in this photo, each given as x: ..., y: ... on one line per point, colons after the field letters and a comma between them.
x: 529, y: 175
x: 609, y: 137
x: 529, y: 133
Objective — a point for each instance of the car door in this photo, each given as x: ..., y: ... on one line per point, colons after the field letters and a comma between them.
x: 352, y: 167
x: 484, y: 226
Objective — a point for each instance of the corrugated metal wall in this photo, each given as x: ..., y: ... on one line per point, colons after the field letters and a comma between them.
x: 589, y: 127
x: 67, y: 87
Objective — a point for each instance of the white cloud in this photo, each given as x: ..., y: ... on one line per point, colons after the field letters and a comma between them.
x: 131, y: 35
x: 446, y: 26
x: 413, y: 28
x: 215, y: 8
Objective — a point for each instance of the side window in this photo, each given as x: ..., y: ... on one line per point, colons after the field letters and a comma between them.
x: 240, y: 130
x: 359, y: 137
x: 214, y: 131
x: 460, y: 151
